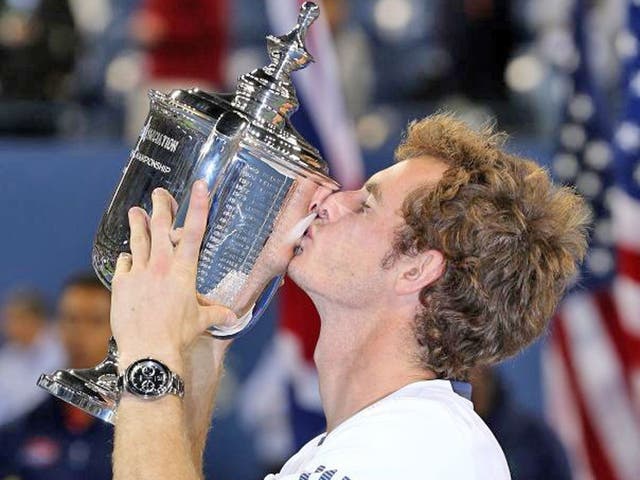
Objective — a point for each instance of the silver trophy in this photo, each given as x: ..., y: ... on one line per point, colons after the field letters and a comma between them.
x: 261, y: 175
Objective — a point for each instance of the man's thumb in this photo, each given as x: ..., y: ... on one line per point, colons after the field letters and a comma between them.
x: 217, y: 315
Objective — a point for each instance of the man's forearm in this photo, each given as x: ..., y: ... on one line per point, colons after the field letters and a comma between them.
x: 181, y: 424
x: 149, y: 437
x: 202, y: 377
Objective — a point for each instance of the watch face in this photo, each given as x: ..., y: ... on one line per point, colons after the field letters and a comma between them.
x: 148, y: 378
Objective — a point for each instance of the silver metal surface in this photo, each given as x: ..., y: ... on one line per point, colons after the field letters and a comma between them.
x: 267, y: 94
x: 93, y: 390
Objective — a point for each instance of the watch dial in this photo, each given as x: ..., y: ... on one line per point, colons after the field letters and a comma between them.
x: 148, y: 378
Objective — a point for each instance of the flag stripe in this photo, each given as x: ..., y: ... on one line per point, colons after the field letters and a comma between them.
x: 609, y: 314
x: 627, y: 298
x: 597, y: 460
x: 629, y: 263
x: 626, y: 215
x: 602, y: 387
x: 301, y: 318
x: 560, y: 403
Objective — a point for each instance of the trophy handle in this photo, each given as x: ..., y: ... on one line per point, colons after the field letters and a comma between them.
x: 249, y: 320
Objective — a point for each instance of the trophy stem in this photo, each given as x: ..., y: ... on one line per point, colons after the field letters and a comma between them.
x: 94, y: 390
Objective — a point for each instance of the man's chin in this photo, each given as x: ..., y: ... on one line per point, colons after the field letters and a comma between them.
x: 297, y: 269
x: 293, y: 269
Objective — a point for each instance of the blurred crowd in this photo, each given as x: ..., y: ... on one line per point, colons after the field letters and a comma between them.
x: 74, y: 69
x: 42, y: 437
x: 79, y: 69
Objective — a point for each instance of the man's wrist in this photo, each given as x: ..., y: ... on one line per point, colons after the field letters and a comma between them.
x: 171, y: 358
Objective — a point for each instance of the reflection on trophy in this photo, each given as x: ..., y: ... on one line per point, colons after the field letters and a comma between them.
x: 261, y: 175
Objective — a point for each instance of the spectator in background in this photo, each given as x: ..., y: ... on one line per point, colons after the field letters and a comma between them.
x: 30, y: 348
x: 56, y: 440
x: 185, y: 42
x: 38, y: 47
x: 532, y: 450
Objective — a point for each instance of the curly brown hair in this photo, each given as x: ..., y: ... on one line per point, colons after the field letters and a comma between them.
x: 511, y: 239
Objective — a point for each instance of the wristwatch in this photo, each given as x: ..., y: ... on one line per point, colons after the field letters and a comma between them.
x: 150, y: 379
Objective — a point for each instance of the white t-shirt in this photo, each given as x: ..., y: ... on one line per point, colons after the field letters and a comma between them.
x: 423, y: 431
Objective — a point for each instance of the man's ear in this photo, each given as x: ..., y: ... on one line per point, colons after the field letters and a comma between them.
x: 417, y: 272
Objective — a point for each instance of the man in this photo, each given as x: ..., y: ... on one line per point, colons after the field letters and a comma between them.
x: 454, y: 257
x: 56, y: 440
x: 30, y: 348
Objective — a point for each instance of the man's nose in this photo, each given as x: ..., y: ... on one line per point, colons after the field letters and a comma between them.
x: 335, y: 206
x: 319, y: 196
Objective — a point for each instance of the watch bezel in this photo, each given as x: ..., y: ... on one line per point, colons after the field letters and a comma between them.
x: 157, y: 392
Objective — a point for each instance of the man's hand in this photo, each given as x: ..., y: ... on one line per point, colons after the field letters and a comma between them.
x: 155, y: 310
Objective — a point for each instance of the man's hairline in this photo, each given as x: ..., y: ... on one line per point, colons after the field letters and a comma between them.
x: 388, y: 260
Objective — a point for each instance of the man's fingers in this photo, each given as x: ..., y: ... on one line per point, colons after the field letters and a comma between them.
x: 217, y: 315
x: 161, y: 220
x: 123, y: 264
x: 194, y: 225
x: 139, y: 240
x: 175, y: 235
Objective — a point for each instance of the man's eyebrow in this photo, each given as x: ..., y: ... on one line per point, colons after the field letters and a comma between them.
x: 374, y: 189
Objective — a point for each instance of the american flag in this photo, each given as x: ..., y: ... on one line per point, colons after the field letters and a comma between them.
x: 592, y: 361
x: 289, y: 411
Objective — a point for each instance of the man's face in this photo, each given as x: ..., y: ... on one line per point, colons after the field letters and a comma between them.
x: 83, y: 320
x: 20, y: 325
x: 342, y: 252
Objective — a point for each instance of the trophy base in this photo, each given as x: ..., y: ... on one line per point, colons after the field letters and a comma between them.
x: 93, y: 390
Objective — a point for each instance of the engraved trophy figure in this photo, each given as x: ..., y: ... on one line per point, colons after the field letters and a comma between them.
x: 261, y: 176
